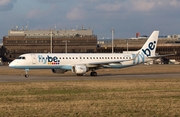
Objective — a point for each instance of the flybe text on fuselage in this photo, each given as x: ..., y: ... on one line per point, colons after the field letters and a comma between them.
x: 48, y: 59
x: 151, y: 46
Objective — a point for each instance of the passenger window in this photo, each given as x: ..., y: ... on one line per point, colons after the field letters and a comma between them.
x: 23, y: 57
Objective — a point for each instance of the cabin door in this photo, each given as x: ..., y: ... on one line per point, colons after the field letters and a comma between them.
x: 33, y: 58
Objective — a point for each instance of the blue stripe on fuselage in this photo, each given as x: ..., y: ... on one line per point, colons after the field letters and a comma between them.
x: 142, y: 57
x: 65, y: 67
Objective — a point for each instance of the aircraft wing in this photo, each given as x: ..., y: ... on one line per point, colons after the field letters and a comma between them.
x: 108, y: 62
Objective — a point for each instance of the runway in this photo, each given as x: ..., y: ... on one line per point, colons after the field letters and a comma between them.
x: 6, y: 75
x: 19, y: 78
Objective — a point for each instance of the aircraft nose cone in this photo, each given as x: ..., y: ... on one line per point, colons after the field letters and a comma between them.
x: 12, y: 64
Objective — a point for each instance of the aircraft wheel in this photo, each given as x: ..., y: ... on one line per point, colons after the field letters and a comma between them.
x: 26, y: 75
x: 93, y: 73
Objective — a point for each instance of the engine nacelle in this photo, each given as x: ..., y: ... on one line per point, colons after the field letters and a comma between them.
x: 79, y: 69
x: 59, y: 71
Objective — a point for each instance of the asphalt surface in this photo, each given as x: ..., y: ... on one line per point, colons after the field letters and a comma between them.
x: 73, y: 77
x: 20, y: 78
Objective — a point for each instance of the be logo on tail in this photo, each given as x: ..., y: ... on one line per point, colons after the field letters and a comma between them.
x: 151, y: 46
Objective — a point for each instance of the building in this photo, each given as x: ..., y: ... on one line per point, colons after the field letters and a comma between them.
x: 18, y: 42
x: 167, y: 45
x: 2, y: 50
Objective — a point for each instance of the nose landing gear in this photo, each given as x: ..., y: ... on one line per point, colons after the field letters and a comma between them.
x: 26, y: 73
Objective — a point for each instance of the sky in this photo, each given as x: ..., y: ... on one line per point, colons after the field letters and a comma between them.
x: 126, y: 16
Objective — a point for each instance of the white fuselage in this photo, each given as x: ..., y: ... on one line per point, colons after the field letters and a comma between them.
x: 66, y: 61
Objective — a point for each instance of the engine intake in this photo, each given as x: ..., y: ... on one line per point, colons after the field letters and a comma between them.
x: 79, y: 69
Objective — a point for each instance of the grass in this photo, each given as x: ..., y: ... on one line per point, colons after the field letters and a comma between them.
x: 96, y: 98
x: 132, y: 97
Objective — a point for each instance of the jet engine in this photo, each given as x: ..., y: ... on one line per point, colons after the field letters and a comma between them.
x: 79, y: 69
x: 59, y: 71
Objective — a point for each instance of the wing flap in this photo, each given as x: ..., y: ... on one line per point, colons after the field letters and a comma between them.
x: 106, y: 62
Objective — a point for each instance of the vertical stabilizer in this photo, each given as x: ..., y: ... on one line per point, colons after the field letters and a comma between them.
x: 149, y: 48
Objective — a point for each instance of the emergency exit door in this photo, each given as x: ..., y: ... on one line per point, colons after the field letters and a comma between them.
x: 33, y: 58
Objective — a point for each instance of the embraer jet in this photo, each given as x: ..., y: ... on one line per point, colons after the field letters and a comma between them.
x: 82, y: 63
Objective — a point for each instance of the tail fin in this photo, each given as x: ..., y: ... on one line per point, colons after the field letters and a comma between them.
x: 149, y: 48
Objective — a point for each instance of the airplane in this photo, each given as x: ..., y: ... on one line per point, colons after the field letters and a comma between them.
x: 80, y: 63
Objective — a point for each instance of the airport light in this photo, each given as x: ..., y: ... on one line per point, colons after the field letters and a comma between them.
x: 66, y: 41
x: 127, y: 45
x: 112, y: 39
x: 51, y: 39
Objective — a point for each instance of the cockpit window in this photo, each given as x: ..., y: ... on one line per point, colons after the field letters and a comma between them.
x: 21, y: 57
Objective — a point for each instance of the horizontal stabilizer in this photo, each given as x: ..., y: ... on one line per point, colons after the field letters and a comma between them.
x: 159, y: 56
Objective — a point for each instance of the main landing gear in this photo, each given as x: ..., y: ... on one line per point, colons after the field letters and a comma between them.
x: 26, y: 73
x: 93, y: 73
